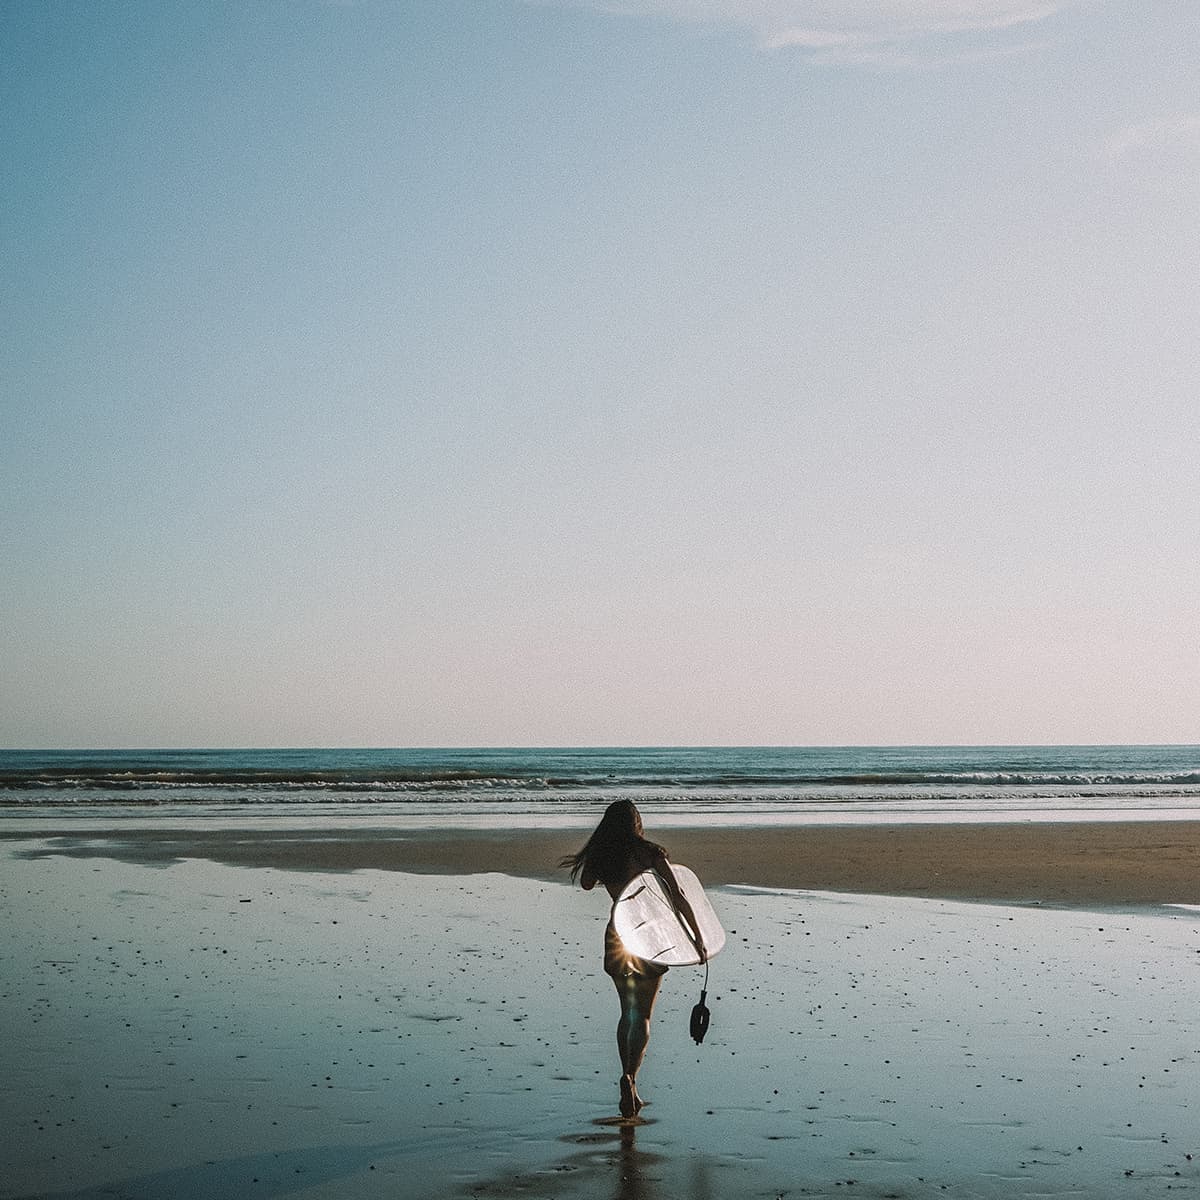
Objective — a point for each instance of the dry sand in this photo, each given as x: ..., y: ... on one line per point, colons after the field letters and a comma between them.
x: 1108, y: 863
x: 193, y: 1029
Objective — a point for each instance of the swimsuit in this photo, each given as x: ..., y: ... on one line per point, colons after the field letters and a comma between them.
x: 620, y: 964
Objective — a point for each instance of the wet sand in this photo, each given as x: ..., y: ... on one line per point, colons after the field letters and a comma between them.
x: 1105, y: 863
x: 187, y: 1027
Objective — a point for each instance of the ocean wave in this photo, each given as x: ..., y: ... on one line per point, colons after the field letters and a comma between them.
x: 275, y: 780
x: 552, y: 780
x: 843, y: 799
x: 458, y: 781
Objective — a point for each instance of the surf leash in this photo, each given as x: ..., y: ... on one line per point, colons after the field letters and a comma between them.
x: 700, y: 1013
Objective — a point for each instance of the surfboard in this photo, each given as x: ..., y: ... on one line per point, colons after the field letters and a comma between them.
x: 648, y: 927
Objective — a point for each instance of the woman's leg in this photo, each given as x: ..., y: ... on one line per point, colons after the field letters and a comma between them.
x: 637, y: 993
x: 637, y: 984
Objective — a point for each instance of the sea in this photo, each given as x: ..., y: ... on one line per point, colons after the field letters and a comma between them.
x: 723, y: 785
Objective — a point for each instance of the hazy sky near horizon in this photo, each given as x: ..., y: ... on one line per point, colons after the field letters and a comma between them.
x: 569, y: 372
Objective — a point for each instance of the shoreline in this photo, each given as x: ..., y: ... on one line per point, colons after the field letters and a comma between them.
x: 1110, y: 864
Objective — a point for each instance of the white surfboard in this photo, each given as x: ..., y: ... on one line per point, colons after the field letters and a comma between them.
x: 648, y: 927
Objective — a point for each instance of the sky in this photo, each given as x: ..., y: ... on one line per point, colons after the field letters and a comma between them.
x: 656, y: 372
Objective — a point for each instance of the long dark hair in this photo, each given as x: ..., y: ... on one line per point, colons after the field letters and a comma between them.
x: 614, y: 841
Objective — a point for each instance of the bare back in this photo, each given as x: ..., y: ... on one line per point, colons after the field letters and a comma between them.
x: 639, y: 859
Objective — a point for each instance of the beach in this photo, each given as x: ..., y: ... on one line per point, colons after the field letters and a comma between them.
x: 975, y: 1010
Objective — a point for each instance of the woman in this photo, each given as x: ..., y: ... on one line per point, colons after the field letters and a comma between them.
x: 616, y: 853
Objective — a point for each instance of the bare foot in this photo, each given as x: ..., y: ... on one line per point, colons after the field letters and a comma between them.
x: 638, y: 1102
x: 629, y: 1097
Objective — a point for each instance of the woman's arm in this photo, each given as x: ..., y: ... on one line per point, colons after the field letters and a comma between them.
x: 681, y: 905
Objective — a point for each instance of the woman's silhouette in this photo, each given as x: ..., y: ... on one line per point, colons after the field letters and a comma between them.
x: 617, y: 852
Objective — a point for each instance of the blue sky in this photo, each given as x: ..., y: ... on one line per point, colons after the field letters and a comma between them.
x: 737, y: 371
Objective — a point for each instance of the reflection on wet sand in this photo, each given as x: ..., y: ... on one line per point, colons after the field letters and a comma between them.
x: 610, y: 1162
x: 636, y: 1178
x: 614, y: 1164
x: 631, y: 1181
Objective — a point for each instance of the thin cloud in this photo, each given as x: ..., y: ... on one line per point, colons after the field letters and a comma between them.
x: 866, y: 32
x: 1179, y: 133
x: 920, y: 58
x: 865, y: 24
